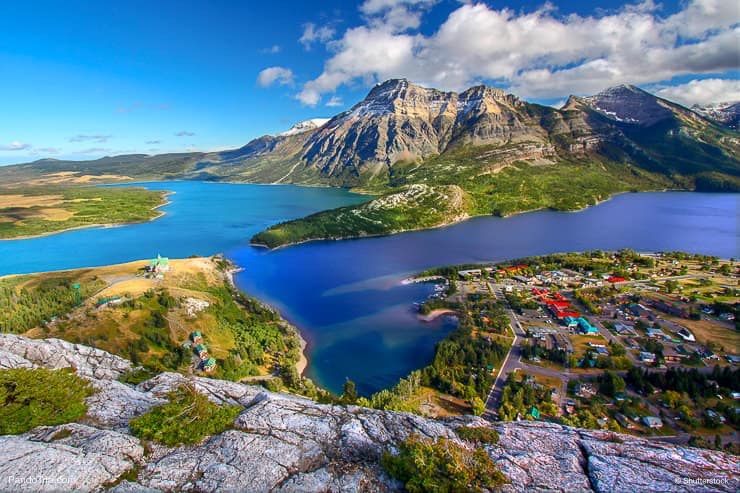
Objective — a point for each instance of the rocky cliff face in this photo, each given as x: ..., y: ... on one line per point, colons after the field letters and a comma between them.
x: 286, y: 443
x: 402, y: 121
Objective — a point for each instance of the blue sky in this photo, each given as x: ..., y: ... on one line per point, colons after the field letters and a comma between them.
x: 83, y: 79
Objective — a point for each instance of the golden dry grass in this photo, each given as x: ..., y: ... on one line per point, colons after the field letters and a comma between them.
x: 580, y: 343
x: 54, y: 214
x: 707, y: 331
x: 24, y: 201
x: 66, y: 177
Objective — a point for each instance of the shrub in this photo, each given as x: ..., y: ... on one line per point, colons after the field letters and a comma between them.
x: 441, y: 466
x: 36, y: 397
x: 479, y: 435
x: 187, y: 418
x: 136, y: 376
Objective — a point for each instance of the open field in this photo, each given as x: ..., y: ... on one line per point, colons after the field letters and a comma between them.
x: 707, y: 331
x: 44, y: 210
x: 429, y: 402
x: 580, y: 343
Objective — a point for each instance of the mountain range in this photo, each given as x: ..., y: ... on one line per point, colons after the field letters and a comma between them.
x: 432, y: 157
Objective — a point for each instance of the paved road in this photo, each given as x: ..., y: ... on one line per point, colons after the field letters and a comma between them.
x: 510, y: 363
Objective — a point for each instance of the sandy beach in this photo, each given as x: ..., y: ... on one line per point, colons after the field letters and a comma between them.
x: 303, y: 362
x: 435, y: 313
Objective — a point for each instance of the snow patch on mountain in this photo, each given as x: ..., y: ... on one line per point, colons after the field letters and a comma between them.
x: 305, y: 126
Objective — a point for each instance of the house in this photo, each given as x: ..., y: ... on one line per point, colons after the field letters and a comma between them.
x: 671, y: 355
x: 671, y: 308
x: 602, y: 351
x: 727, y: 316
x: 534, y: 412
x: 159, y: 265
x: 570, y: 406
x: 652, y: 422
x: 584, y: 327
x: 466, y: 274
x: 646, y: 357
x: 655, y: 333
x: 561, y: 343
x: 639, y: 310
x: 624, y: 329
x: 730, y: 357
x: 711, y: 413
x: 571, y: 322
x: 735, y: 395
x: 614, y: 279
x: 209, y: 365
x: 585, y: 390
x: 201, y: 351
x: 196, y: 337
x: 624, y: 421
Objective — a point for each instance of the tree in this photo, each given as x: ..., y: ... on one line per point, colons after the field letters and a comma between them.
x: 442, y: 466
x: 349, y: 393
x: 479, y: 407
x: 36, y: 397
x: 610, y: 384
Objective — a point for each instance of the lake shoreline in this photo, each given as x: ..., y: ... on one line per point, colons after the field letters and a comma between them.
x: 467, y: 217
x: 302, y: 363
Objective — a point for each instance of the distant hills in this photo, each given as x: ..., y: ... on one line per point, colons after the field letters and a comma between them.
x: 493, y: 152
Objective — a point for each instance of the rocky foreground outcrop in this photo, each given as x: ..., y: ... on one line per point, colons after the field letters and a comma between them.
x: 286, y: 443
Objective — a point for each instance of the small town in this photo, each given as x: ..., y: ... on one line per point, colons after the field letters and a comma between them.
x: 645, y: 344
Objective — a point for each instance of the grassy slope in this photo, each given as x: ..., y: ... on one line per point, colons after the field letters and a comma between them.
x: 151, y: 325
x: 77, y: 207
x: 415, y: 208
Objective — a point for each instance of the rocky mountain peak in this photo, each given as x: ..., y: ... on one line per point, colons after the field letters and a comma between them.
x: 629, y: 104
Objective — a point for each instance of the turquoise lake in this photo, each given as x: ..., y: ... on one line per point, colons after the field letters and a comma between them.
x: 346, y: 296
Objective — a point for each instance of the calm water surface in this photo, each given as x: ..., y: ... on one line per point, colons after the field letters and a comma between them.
x: 345, y: 296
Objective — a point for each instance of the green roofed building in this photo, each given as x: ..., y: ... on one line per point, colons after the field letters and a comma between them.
x: 534, y: 412
x: 196, y: 337
x: 209, y: 365
x: 201, y: 350
x: 159, y: 264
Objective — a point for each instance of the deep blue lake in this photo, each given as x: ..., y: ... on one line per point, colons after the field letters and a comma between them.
x: 345, y: 296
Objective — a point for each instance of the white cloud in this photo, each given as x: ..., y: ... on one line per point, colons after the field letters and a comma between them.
x: 15, y: 146
x: 273, y: 75
x: 395, y: 15
x: 272, y: 49
x: 533, y: 54
x: 334, y: 101
x: 703, y: 92
x: 312, y: 34
x: 184, y: 133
